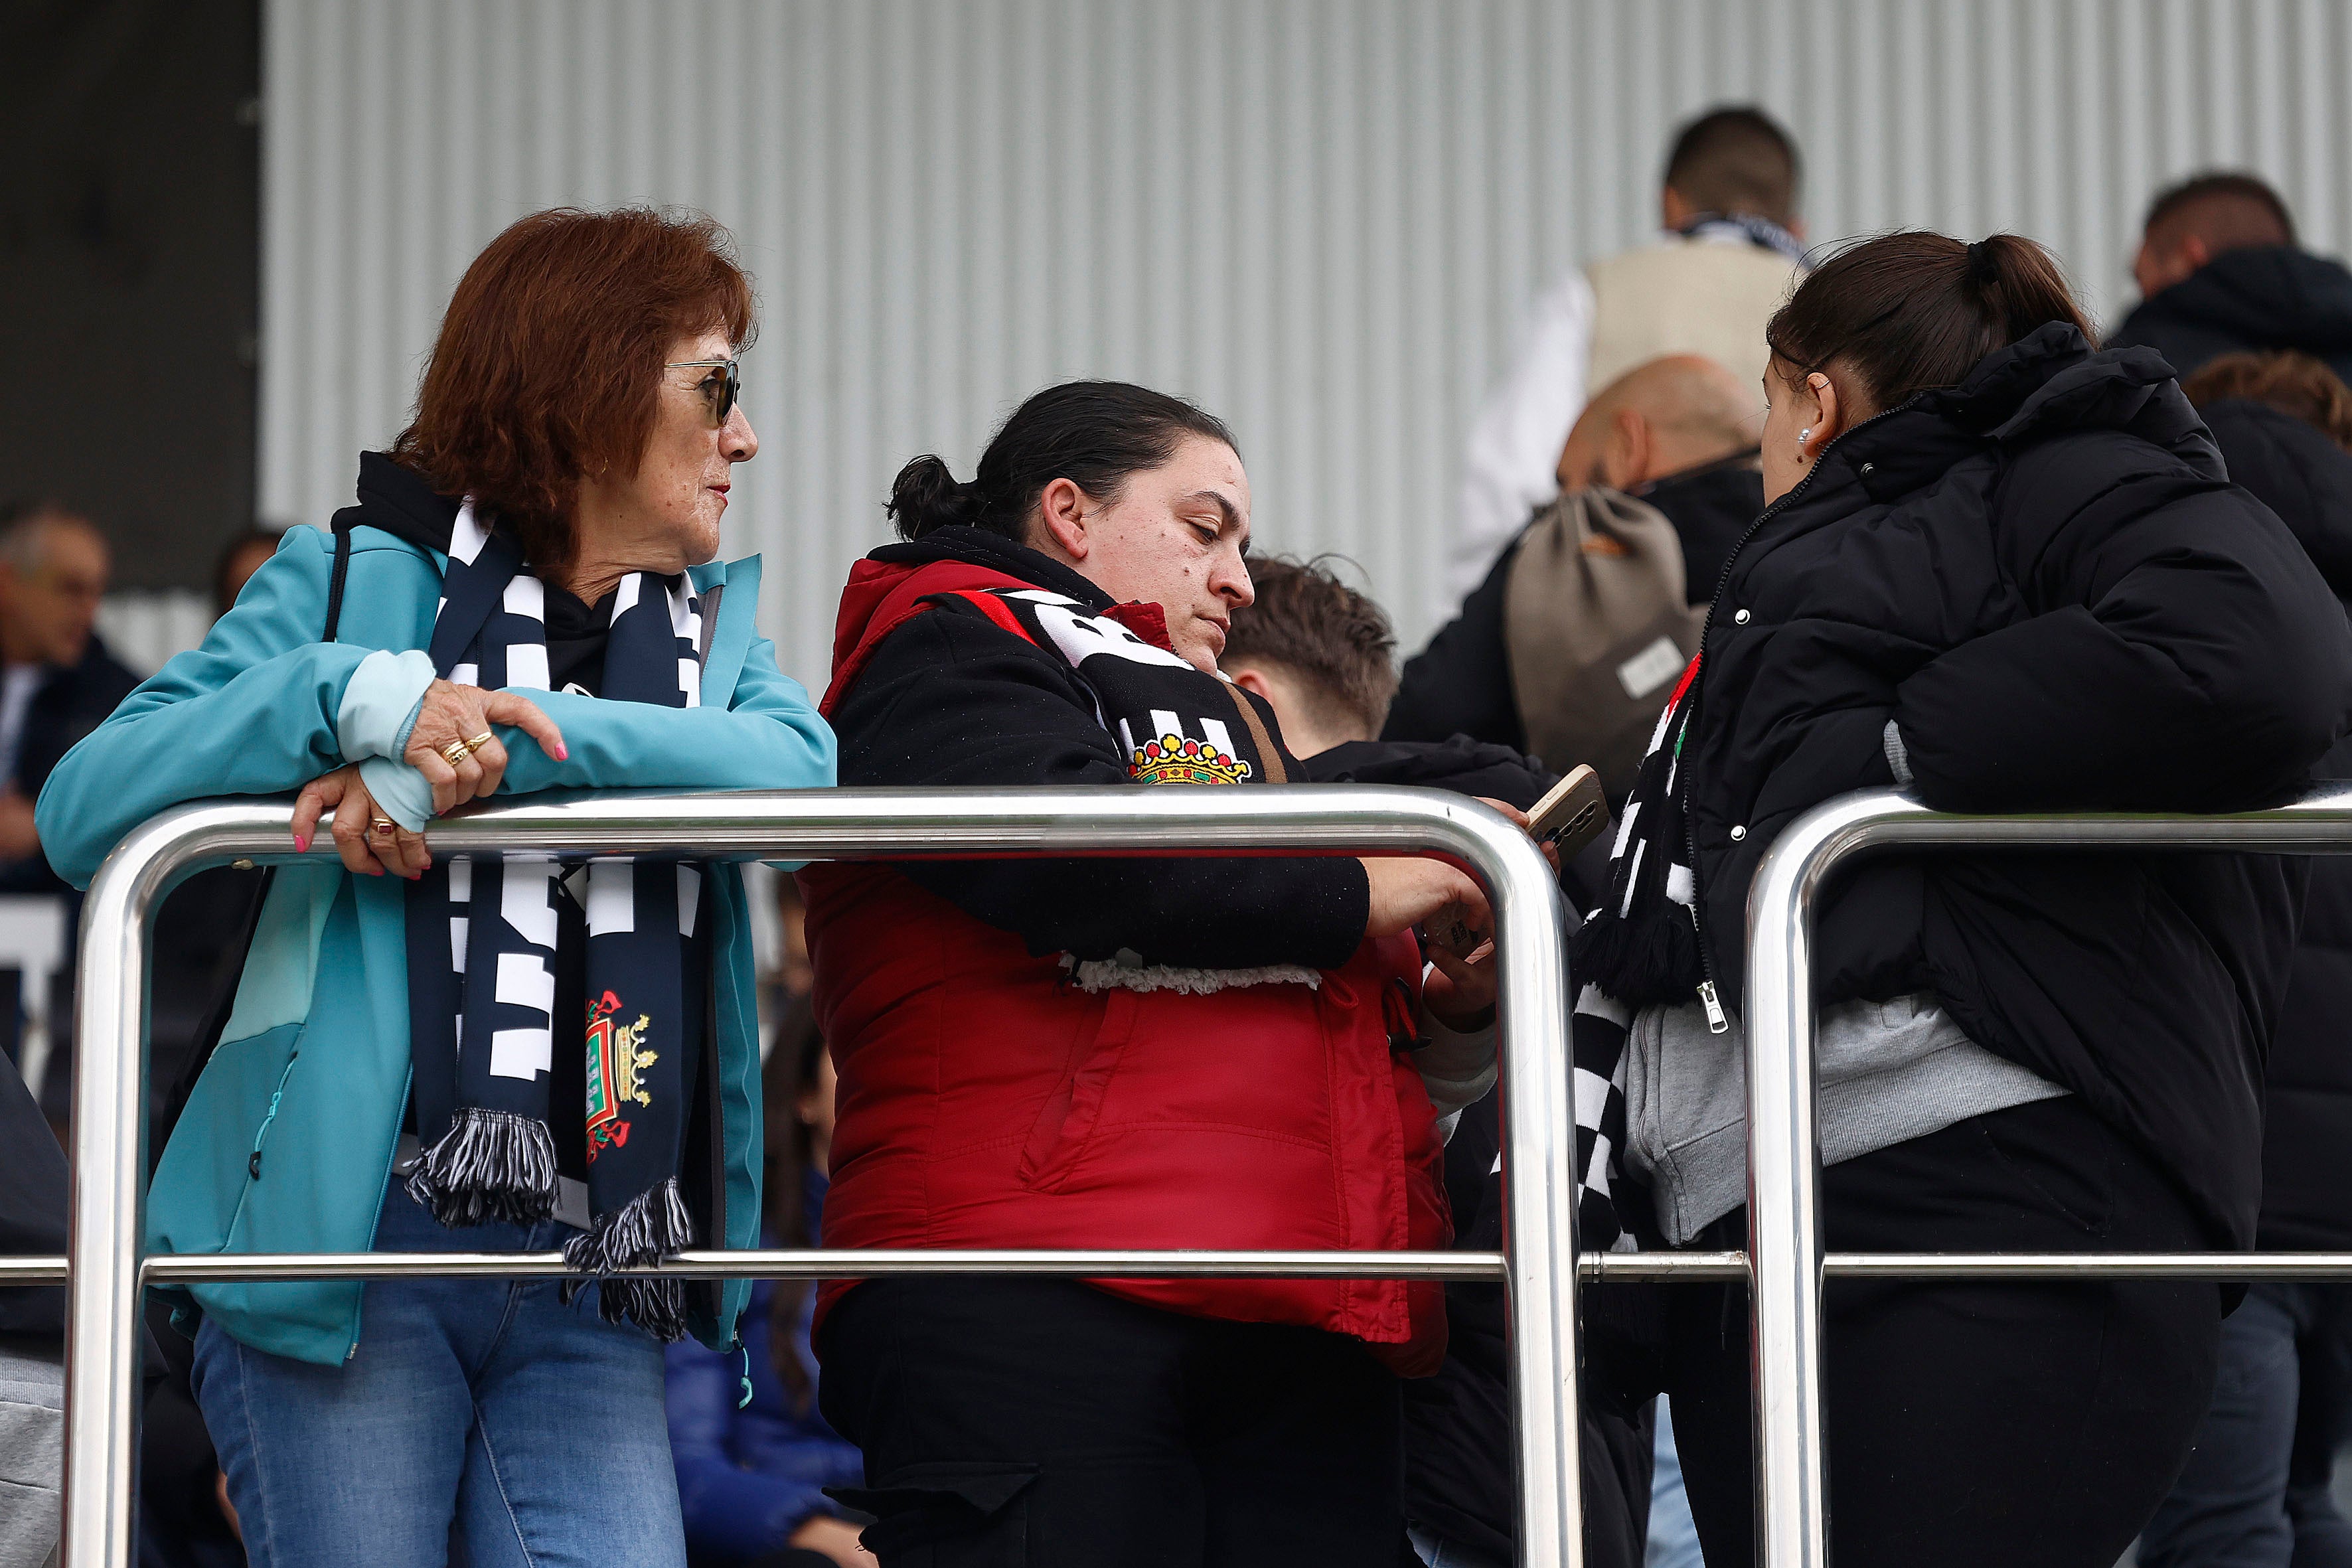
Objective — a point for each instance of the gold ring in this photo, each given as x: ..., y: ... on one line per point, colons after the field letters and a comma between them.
x: 457, y: 752
x: 478, y: 741
x: 383, y: 826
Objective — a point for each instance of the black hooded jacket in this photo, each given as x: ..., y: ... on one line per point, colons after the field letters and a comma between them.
x: 2267, y: 297
x: 2306, y: 478
x: 2043, y: 577
x: 1461, y: 683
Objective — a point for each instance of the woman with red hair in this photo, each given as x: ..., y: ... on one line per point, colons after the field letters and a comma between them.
x: 395, y: 1072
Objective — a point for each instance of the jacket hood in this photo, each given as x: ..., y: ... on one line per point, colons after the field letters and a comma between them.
x: 2272, y: 296
x: 874, y: 579
x: 401, y: 501
x: 2047, y: 385
x: 2298, y: 473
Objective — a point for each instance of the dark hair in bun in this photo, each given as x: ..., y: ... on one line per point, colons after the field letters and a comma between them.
x: 1095, y: 434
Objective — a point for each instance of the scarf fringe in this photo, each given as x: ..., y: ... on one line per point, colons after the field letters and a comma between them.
x: 650, y: 1226
x: 1652, y: 958
x: 490, y: 1164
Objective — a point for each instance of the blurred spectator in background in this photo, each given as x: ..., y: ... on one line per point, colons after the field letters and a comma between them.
x: 2219, y: 272
x: 2254, y: 1493
x: 795, y: 976
x: 1568, y: 648
x: 240, y: 559
x: 57, y: 682
x: 1732, y: 247
x: 749, y: 1474
x: 1323, y: 656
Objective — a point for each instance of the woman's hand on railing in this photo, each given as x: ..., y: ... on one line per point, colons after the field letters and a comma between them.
x: 370, y: 842
x: 453, y: 715
x: 1407, y: 892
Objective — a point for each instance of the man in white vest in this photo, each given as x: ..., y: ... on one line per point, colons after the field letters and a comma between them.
x: 1731, y: 250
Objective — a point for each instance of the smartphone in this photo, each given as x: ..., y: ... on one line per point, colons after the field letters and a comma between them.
x: 1572, y: 814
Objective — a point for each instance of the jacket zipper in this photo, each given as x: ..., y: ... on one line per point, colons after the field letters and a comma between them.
x: 1709, y: 998
x: 261, y: 1133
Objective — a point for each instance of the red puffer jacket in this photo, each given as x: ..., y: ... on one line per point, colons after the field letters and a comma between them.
x: 987, y: 1101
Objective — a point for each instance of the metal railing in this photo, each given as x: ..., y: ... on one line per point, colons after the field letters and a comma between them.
x: 107, y: 1269
x: 1784, y: 1150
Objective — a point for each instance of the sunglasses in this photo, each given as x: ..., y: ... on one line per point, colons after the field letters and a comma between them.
x: 723, y: 388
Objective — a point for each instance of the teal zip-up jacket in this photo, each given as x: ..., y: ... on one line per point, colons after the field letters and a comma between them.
x: 289, y: 1139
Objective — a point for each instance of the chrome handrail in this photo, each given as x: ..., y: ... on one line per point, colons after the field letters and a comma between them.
x: 1537, y: 1265
x: 1784, y: 1145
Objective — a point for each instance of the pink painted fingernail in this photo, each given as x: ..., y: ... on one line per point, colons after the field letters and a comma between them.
x: 562, y: 752
x: 302, y: 843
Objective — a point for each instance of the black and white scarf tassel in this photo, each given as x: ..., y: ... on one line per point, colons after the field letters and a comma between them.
x: 1639, y: 949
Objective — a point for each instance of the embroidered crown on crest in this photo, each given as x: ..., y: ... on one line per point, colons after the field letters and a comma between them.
x: 1176, y: 759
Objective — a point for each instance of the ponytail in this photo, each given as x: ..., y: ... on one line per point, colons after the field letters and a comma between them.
x: 1913, y: 310
x: 1095, y: 434
x: 926, y: 496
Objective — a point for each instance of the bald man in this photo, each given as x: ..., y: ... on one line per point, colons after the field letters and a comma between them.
x: 58, y: 682
x: 1679, y: 434
x: 2219, y: 272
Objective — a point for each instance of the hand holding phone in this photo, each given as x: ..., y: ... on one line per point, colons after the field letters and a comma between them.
x: 1571, y: 815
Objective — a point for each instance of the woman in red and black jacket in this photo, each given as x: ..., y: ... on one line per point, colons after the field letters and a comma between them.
x: 1185, y: 1053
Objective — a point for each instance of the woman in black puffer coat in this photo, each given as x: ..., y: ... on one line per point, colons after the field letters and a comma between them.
x: 2007, y: 571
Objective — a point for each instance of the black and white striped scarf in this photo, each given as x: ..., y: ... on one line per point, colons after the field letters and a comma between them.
x: 1640, y: 948
x: 506, y: 958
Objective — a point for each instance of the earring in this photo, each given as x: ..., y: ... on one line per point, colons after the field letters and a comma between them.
x: 1802, y: 436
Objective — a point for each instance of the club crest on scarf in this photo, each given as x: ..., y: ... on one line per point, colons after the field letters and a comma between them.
x: 1175, y: 724
x: 489, y: 942
x: 615, y: 1057
x: 1177, y: 759
x: 1164, y: 710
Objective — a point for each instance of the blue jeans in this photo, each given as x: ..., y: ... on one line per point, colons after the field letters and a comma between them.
x: 2254, y: 1493
x: 1674, y: 1538
x: 479, y: 1423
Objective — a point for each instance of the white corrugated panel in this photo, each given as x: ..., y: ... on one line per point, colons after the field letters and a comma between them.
x: 1320, y: 218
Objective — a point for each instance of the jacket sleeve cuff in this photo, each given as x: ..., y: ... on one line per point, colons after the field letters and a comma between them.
x: 399, y: 791
x: 380, y: 704
x: 1458, y: 1069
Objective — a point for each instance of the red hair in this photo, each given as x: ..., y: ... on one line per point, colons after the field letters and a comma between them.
x: 548, y: 364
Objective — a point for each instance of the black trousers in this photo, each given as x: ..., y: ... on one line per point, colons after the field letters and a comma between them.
x: 1021, y: 1423
x: 2013, y: 1423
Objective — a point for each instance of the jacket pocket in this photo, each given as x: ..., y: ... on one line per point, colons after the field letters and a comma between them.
x: 1068, y: 1119
x: 949, y: 1515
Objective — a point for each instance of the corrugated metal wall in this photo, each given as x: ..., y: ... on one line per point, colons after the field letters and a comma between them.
x: 1320, y: 218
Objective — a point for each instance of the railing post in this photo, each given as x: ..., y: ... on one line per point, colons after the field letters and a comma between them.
x: 1784, y: 1218
x: 104, y: 1341
x: 1539, y: 1208
x: 1785, y: 1240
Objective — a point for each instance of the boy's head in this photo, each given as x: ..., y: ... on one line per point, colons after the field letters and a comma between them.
x: 1321, y: 653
